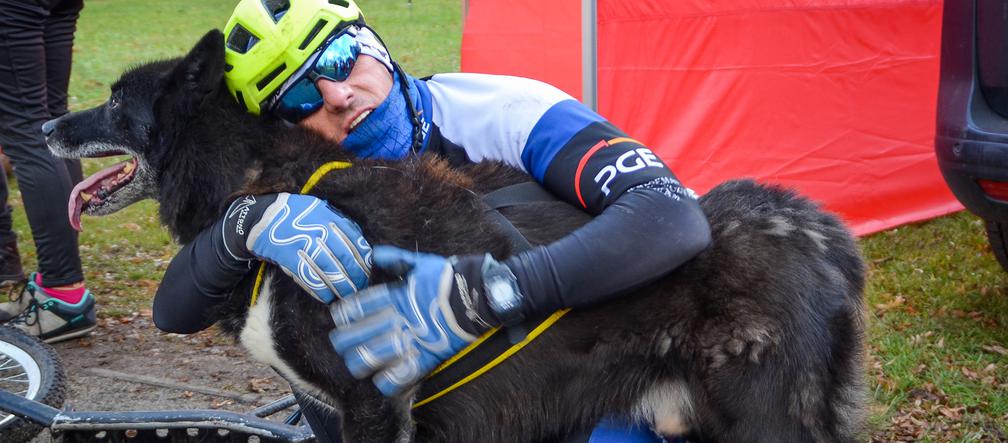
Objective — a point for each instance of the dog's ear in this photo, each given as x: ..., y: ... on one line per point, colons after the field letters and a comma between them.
x: 202, y: 70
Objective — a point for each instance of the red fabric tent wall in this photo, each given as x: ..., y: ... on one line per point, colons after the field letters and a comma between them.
x: 835, y: 98
x: 539, y: 39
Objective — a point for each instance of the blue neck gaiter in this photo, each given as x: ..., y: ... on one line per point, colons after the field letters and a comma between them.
x: 387, y: 133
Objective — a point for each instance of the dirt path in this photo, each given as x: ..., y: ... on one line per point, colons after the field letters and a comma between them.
x: 127, y: 364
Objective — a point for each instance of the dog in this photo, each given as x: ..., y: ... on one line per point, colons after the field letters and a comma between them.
x: 758, y: 338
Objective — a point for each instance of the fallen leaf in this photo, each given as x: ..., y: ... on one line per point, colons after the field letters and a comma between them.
x: 953, y: 413
x: 217, y: 404
x: 996, y: 350
x: 888, y: 306
x: 260, y: 385
x: 969, y: 373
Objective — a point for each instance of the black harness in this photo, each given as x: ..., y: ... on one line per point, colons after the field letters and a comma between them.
x: 493, y: 347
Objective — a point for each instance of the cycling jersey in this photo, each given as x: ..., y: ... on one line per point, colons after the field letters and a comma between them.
x: 561, y: 143
x: 646, y: 223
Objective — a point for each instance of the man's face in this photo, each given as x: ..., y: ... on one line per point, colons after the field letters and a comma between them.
x: 345, y: 104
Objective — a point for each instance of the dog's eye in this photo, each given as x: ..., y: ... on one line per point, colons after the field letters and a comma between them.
x: 113, y: 102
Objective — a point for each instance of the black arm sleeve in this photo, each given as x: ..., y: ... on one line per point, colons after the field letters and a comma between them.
x: 205, y: 271
x: 647, y: 223
x: 197, y: 279
x: 641, y: 236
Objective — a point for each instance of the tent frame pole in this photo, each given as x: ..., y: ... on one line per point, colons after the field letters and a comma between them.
x: 589, y: 54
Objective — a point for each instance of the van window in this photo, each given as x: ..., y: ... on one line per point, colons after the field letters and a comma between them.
x: 992, y: 53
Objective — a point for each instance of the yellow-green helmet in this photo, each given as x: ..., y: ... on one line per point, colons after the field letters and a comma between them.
x: 267, y: 40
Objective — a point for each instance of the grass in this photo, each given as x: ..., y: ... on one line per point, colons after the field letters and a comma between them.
x: 938, y: 317
x: 938, y: 326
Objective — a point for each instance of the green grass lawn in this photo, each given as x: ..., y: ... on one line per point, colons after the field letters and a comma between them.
x: 938, y: 329
x: 938, y: 320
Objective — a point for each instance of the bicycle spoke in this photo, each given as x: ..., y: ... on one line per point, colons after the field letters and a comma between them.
x: 7, y: 362
x: 22, y: 377
x: 17, y: 382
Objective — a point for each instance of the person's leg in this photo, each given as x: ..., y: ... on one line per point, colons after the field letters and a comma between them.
x: 10, y: 259
x: 20, y: 30
x: 44, y: 180
x: 59, y: 35
x: 11, y: 272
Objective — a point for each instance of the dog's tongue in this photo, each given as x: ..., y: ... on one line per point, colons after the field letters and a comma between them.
x: 91, y: 186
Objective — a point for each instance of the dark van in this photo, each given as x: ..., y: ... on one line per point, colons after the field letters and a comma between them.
x: 972, y: 132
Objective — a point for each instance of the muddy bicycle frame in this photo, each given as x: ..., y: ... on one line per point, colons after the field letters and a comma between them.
x: 176, y: 425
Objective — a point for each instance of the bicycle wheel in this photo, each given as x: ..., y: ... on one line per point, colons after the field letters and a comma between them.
x: 30, y: 368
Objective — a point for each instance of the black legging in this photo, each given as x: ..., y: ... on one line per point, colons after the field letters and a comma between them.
x: 36, y: 40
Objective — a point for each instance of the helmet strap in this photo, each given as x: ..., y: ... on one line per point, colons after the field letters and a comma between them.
x: 415, y: 109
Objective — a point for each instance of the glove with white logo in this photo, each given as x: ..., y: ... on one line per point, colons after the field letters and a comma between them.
x: 321, y: 249
x: 401, y: 331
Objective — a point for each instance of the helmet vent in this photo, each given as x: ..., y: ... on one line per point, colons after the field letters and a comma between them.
x: 311, y: 35
x: 343, y: 3
x: 241, y: 99
x: 276, y: 8
x: 272, y: 75
x: 241, y: 40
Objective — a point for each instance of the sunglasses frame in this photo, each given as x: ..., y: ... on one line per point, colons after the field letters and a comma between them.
x: 294, y: 113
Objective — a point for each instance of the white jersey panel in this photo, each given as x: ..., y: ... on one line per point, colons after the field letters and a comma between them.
x: 490, y: 116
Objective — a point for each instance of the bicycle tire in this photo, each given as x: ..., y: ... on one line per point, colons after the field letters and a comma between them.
x: 46, y: 381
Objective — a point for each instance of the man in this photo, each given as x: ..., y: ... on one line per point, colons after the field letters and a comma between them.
x: 314, y: 63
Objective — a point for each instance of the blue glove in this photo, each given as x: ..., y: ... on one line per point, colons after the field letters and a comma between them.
x: 322, y: 250
x: 401, y: 331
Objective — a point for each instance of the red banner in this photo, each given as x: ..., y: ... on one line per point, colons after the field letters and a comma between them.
x: 834, y: 98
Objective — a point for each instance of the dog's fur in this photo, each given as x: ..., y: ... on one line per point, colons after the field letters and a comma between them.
x: 759, y: 338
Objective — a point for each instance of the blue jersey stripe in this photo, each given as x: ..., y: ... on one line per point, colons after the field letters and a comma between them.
x: 552, y: 132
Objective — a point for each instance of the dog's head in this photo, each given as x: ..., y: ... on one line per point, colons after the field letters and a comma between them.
x: 149, y: 105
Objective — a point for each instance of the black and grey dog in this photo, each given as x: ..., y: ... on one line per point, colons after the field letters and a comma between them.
x: 759, y: 338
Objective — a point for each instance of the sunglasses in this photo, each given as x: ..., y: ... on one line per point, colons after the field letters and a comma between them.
x: 334, y: 61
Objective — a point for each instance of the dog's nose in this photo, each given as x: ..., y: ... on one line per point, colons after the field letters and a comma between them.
x: 48, y: 127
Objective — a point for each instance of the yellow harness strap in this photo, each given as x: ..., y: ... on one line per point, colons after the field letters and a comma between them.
x: 312, y: 181
x: 538, y: 330
x: 543, y: 326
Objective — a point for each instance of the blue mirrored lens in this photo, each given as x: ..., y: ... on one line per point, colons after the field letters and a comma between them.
x: 335, y: 62
x: 338, y: 58
x: 299, y: 101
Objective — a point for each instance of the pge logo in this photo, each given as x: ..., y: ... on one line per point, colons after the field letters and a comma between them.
x: 629, y: 161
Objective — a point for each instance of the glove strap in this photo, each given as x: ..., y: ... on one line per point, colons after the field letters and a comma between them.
x: 244, y: 213
x: 487, y: 294
x: 503, y: 295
